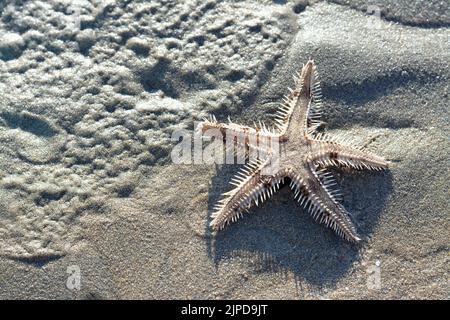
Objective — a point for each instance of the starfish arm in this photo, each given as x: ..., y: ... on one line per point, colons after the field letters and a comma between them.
x: 301, y: 109
x: 318, y: 199
x: 245, y: 136
x: 329, y: 153
x: 251, y: 188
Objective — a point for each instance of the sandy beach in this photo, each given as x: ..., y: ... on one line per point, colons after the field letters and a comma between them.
x: 92, y: 206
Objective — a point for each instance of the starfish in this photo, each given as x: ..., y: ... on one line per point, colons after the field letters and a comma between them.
x: 305, y: 154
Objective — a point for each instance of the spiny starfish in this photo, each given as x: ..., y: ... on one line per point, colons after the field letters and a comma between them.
x: 305, y: 154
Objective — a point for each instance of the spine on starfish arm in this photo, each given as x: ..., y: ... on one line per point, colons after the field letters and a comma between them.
x: 259, y: 138
x: 304, y: 102
x: 343, y: 153
x: 251, y: 188
x: 321, y: 202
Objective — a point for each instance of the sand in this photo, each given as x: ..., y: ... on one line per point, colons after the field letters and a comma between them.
x: 92, y: 207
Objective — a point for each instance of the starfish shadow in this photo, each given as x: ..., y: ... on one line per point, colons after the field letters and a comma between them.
x: 280, y: 237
